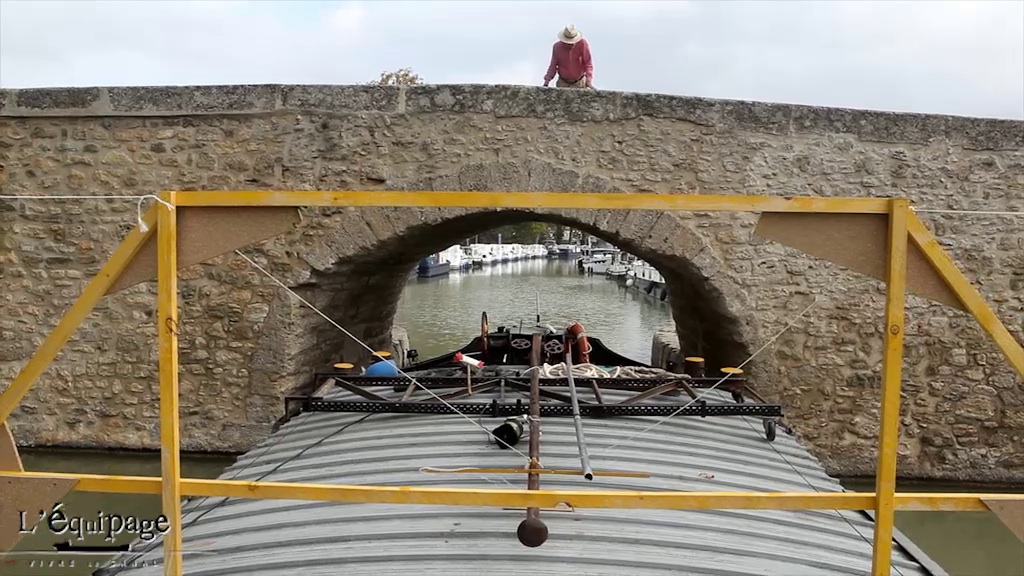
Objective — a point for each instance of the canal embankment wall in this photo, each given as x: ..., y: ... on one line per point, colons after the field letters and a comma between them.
x: 246, y: 342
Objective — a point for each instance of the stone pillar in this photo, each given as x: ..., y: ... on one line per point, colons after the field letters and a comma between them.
x: 400, y: 345
x: 665, y: 346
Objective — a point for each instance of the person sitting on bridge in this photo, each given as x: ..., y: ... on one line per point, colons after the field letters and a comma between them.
x: 570, y: 59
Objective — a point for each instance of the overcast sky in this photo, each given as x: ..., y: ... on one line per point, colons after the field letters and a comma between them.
x: 964, y: 58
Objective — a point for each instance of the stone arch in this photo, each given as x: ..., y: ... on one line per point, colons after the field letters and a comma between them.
x: 242, y: 338
x: 359, y: 285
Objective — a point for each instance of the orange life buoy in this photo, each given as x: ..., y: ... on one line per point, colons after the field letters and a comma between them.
x: 575, y: 331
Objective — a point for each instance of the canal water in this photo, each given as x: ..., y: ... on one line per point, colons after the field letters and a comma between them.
x: 442, y: 314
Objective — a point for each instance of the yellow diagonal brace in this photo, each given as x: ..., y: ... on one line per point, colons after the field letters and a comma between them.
x: 968, y: 295
x: 74, y: 316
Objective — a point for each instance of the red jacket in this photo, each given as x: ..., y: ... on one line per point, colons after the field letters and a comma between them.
x: 571, y: 62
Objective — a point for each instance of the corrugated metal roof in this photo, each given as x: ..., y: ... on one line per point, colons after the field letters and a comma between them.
x: 257, y: 537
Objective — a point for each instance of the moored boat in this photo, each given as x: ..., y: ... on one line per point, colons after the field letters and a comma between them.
x: 432, y: 266
x: 568, y: 251
x: 597, y: 260
x: 589, y: 418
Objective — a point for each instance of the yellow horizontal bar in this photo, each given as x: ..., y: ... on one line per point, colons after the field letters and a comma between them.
x: 525, y: 498
x: 525, y: 200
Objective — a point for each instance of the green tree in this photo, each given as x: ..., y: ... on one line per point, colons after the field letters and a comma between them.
x: 525, y: 233
x: 402, y: 76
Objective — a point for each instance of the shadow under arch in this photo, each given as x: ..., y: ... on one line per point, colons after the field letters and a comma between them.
x: 704, y: 323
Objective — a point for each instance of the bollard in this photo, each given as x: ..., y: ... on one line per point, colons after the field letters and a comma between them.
x: 693, y: 366
x: 346, y: 368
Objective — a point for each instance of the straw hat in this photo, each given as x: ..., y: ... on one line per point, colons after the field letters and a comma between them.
x: 570, y: 35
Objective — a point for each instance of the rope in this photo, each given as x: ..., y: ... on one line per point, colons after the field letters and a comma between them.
x: 140, y: 199
x: 427, y: 469
x: 371, y: 350
x: 977, y: 212
x: 594, y: 371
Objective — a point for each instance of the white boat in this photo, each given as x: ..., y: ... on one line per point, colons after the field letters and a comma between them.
x: 480, y: 255
x: 598, y: 260
x: 454, y: 256
x: 620, y: 265
x: 643, y: 271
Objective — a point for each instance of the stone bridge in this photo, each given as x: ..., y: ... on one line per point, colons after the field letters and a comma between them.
x: 245, y: 342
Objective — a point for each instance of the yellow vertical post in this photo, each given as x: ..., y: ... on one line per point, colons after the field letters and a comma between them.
x: 892, y: 370
x: 167, y: 329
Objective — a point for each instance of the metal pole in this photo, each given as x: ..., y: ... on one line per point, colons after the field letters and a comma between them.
x: 577, y: 421
x: 532, y: 531
x: 534, y: 479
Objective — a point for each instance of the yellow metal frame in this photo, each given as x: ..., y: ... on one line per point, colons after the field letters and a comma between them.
x: 903, y: 225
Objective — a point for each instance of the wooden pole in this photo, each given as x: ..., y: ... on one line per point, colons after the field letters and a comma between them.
x: 167, y: 328
x: 892, y: 369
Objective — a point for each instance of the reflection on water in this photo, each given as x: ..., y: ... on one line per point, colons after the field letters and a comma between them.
x: 443, y: 314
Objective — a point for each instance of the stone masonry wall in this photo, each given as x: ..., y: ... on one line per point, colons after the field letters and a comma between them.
x: 245, y: 342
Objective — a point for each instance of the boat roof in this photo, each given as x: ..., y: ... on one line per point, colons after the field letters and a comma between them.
x: 264, y: 537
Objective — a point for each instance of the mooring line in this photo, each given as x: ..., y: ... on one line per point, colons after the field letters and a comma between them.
x: 371, y: 350
x: 972, y: 212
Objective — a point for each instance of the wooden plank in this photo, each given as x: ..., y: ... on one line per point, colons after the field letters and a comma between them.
x: 538, y: 199
x: 263, y: 490
x: 1011, y: 512
x: 9, y: 457
x: 205, y: 233
x: 858, y: 242
x: 28, y: 495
